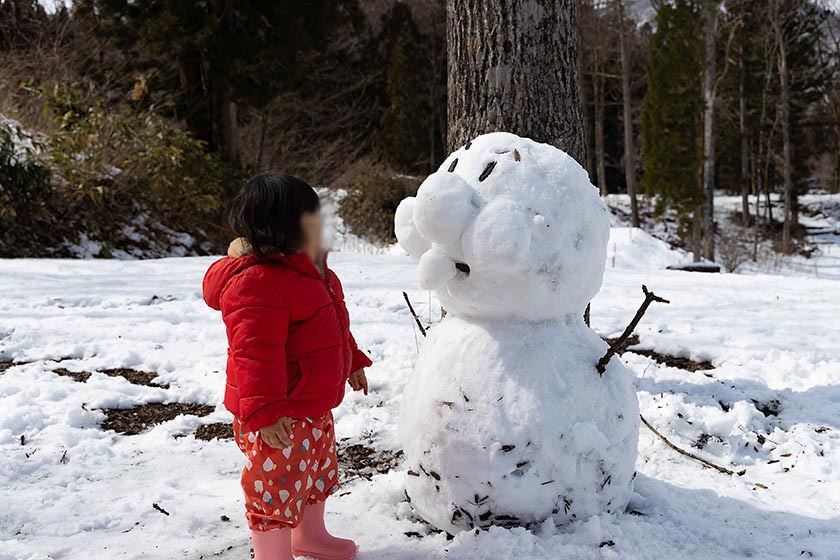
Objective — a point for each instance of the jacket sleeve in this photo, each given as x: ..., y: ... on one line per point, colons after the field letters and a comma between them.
x: 258, y: 326
x: 360, y: 359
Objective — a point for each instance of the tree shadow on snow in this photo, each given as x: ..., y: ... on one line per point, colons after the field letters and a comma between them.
x: 702, y: 524
x: 817, y: 405
x: 668, y: 522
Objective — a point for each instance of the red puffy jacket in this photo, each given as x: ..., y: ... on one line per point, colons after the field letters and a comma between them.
x: 290, y: 350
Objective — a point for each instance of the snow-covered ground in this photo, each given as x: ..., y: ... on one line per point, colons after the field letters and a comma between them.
x: 819, y: 215
x: 70, y: 490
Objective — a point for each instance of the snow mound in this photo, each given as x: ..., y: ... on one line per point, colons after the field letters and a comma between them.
x: 635, y: 249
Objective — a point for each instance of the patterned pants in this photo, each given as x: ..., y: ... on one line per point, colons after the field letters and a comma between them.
x: 278, y: 483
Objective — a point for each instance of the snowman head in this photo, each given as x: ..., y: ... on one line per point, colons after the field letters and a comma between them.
x: 507, y: 228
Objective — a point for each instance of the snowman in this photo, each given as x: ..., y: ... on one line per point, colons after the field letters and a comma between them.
x: 506, y: 420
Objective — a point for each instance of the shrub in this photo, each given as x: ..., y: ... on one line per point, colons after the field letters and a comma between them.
x: 368, y: 209
x: 25, y: 194
x: 119, y: 168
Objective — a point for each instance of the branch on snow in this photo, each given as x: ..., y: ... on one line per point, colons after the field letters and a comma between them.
x: 718, y: 468
x: 650, y: 297
x: 413, y: 314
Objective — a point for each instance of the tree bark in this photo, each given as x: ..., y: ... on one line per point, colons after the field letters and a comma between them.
x: 709, y: 77
x: 697, y: 234
x: 513, y: 66
x: 221, y: 89
x: 784, y: 110
x: 598, y: 94
x: 742, y: 129
x: 629, y: 149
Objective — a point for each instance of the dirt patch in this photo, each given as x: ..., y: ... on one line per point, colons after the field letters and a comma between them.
x: 666, y: 359
x: 8, y: 365
x: 674, y: 361
x: 705, y: 439
x: 770, y: 408
x: 632, y: 340
x: 216, y: 430
x: 79, y: 376
x: 133, y: 421
x: 362, y: 461
x: 133, y: 376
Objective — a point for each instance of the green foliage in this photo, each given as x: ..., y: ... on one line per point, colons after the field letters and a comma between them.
x: 115, y: 171
x: 401, y: 137
x: 672, y: 108
x: 25, y: 192
x: 203, y: 56
x: 369, y: 206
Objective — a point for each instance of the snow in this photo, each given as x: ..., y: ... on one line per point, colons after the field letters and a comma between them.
x: 406, y: 231
x: 509, y: 419
x: 543, y: 436
x: 768, y: 337
x: 525, y: 219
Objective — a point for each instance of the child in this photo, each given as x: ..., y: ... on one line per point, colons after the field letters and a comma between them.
x: 290, y: 353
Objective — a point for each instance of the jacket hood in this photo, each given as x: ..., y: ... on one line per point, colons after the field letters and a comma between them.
x: 223, y: 270
x: 220, y: 273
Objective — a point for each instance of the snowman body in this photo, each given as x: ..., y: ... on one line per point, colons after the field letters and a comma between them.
x: 507, y: 422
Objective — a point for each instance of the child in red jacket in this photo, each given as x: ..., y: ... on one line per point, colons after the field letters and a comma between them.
x: 290, y: 354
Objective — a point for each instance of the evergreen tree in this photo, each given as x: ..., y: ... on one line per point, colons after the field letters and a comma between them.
x: 672, y: 109
x: 402, y: 136
x: 218, y: 57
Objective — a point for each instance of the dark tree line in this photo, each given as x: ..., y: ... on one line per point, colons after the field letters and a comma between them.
x: 728, y: 95
x: 741, y: 96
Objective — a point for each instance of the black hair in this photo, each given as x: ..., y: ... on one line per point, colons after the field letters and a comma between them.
x: 267, y: 212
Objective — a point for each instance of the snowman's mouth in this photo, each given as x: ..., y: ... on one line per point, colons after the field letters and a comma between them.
x: 462, y: 267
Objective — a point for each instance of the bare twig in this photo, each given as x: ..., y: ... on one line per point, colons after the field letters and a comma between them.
x: 413, y: 314
x: 650, y: 297
x: 718, y: 468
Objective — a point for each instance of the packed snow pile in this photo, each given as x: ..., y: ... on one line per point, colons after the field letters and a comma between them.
x: 634, y: 248
x: 507, y: 422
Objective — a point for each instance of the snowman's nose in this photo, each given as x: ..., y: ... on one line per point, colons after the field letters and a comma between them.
x: 445, y: 205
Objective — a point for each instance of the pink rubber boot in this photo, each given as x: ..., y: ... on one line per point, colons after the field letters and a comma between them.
x: 275, y: 544
x: 311, y: 538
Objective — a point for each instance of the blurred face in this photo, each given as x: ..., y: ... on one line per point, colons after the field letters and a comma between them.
x: 311, y: 227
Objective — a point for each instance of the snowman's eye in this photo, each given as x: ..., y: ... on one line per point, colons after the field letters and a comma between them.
x: 487, y: 171
x: 462, y: 267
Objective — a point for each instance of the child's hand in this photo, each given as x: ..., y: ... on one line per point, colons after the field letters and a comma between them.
x: 239, y: 247
x: 358, y: 380
x: 278, y: 436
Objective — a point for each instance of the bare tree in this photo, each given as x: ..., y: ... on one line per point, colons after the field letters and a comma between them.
x: 742, y: 130
x: 709, y: 95
x: 513, y: 66
x: 777, y: 15
x: 629, y: 150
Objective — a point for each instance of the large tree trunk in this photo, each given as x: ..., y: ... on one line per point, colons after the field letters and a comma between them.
x: 629, y: 149
x: 513, y: 66
x: 709, y: 77
x: 223, y: 108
